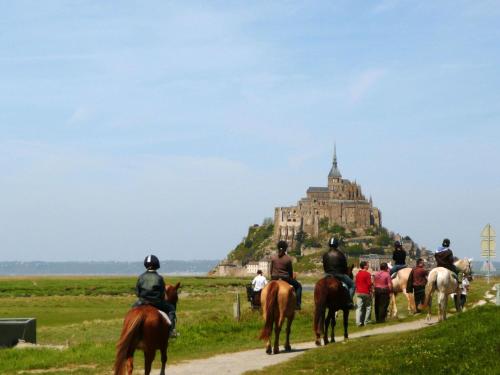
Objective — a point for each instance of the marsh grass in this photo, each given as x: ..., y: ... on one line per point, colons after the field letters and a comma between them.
x: 90, y: 322
x: 464, y: 344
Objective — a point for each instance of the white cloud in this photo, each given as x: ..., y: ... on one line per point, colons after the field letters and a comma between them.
x: 363, y: 83
x: 79, y: 115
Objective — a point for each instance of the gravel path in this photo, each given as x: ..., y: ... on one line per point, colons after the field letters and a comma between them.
x: 240, y: 362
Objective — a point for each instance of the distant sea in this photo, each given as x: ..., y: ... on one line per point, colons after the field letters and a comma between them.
x: 169, y: 267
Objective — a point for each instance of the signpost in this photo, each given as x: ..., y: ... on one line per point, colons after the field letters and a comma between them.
x: 488, y: 245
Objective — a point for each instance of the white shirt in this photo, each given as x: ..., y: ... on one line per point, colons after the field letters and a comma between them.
x: 465, y: 285
x: 258, y: 283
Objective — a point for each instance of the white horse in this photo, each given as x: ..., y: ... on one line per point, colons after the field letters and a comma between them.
x: 441, y: 279
x: 399, y: 284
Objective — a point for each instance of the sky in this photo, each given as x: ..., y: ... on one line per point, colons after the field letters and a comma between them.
x: 165, y: 127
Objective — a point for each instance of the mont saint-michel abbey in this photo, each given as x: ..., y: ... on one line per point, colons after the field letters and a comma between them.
x: 341, y: 202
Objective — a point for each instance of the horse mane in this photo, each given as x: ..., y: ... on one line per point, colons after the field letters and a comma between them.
x: 271, y: 301
x: 130, y: 329
x: 171, y: 294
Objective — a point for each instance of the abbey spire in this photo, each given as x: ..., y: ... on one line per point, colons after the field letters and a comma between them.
x: 334, y: 172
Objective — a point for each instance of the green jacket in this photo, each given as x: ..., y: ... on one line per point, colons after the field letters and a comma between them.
x: 150, y: 287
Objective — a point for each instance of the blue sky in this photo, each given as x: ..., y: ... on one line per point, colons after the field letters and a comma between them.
x: 130, y: 127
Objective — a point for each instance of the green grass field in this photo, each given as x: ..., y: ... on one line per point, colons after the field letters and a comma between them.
x: 86, y: 314
x: 466, y: 343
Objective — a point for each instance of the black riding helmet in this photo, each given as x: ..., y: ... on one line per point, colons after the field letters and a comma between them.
x: 333, y: 242
x: 151, y: 262
x: 446, y: 242
x: 282, y: 245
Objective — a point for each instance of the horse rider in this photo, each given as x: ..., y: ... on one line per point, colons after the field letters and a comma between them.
x: 258, y: 283
x: 282, y: 269
x: 444, y: 258
x: 150, y: 289
x: 335, y: 264
x: 399, y: 257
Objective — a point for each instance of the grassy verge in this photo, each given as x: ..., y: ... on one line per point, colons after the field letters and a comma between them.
x: 467, y: 343
x: 90, y: 323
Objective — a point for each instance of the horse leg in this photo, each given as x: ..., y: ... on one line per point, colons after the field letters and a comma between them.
x: 346, y: 324
x: 268, y: 346
x: 411, y: 302
x: 442, y: 299
x: 327, y: 320
x: 163, y: 352
x: 149, y: 356
x: 334, y: 322
x: 288, y: 348
x: 277, y: 330
x: 130, y: 364
x: 394, y: 307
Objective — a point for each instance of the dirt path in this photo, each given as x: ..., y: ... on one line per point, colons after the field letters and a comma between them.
x: 240, y: 362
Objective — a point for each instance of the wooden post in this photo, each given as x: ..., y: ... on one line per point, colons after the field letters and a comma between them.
x: 236, y: 308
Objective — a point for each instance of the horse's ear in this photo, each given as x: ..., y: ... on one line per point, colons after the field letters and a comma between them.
x: 178, y: 285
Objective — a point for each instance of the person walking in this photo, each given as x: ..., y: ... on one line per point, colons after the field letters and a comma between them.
x: 465, y: 285
x: 282, y: 269
x: 383, y: 289
x: 419, y: 282
x: 364, y: 288
x: 259, y: 282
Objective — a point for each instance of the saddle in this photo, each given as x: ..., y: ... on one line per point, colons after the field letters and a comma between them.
x: 162, y: 313
x: 393, y: 276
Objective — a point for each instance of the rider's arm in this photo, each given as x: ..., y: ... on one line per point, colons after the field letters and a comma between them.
x: 138, y: 287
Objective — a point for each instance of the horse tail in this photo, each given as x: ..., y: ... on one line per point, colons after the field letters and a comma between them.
x: 131, y: 328
x: 271, y: 301
x: 430, y: 287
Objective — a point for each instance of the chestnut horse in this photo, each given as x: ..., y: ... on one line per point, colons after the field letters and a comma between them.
x: 146, y: 329
x: 278, y: 303
x: 330, y: 294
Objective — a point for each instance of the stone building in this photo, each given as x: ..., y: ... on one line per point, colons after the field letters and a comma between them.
x: 341, y: 202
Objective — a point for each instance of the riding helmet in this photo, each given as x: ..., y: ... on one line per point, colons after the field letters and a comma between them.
x: 333, y: 242
x: 397, y: 245
x: 282, y: 245
x: 446, y: 242
x: 151, y: 262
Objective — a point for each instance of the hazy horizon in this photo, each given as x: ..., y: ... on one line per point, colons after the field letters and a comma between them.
x: 171, y: 127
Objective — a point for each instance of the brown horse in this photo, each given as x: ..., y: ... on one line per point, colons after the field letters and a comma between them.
x: 146, y: 329
x: 329, y: 294
x: 278, y: 303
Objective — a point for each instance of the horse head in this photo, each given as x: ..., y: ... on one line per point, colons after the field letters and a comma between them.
x: 172, y: 293
x: 465, y: 266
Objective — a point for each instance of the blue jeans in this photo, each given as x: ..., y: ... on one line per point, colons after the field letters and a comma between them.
x: 396, y: 268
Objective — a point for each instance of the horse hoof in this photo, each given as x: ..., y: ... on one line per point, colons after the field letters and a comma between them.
x: 276, y: 351
x: 318, y: 343
x: 288, y: 348
x: 269, y: 351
